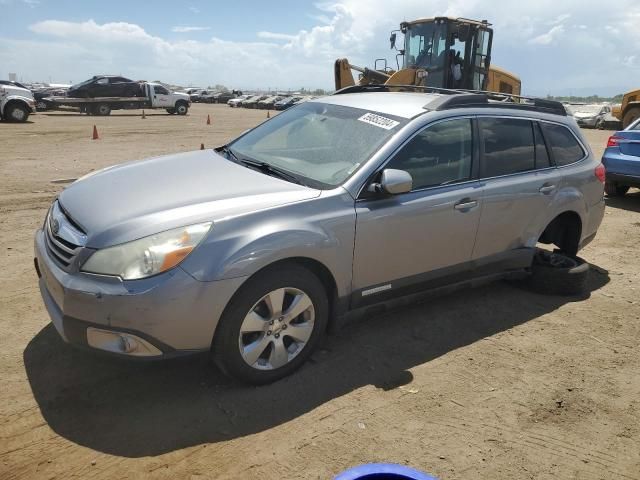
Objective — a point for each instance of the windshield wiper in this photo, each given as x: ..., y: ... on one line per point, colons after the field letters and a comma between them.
x: 269, y: 169
x: 232, y: 156
x: 262, y: 167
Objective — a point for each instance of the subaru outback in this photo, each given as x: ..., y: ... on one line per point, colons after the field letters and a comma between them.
x: 253, y: 250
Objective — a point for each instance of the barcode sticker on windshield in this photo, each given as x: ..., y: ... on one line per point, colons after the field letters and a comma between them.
x: 378, y: 121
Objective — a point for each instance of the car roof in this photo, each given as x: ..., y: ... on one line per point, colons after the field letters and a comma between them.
x: 411, y: 101
x: 399, y: 104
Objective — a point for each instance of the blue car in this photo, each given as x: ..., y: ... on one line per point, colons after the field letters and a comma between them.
x: 622, y: 160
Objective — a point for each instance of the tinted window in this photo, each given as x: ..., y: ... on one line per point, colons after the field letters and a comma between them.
x: 160, y: 90
x: 102, y: 81
x: 438, y: 155
x: 508, y: 146
x: 563, y: 144
x: 542, y: 156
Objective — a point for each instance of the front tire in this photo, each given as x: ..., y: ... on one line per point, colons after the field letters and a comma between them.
x: 182, y: 108
x: 272, y: 325
x: 16, y: 112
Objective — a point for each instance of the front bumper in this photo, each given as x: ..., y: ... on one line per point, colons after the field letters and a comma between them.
x: 168, y: 314
x: 587, y: 122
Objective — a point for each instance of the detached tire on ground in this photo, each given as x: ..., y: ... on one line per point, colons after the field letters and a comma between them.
x: 557, y: 274
x: 272, y: 325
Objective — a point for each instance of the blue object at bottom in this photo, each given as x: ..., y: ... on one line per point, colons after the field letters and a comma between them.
x: 383, y: 471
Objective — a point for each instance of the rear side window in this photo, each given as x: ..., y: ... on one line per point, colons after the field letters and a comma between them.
x: 508, y: 145
x: 563, y: 144
x: 439, y: 155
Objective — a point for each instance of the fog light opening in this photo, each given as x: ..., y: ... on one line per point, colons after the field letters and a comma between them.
x: 120, y: 342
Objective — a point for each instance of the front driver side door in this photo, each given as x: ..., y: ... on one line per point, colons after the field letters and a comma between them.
x: 160, y: 97
x: 408, y: 241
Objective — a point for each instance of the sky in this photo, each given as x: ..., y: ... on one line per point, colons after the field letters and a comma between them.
x: 558, y: 47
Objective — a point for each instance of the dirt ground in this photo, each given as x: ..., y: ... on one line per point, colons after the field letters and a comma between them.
x: 492, y: 383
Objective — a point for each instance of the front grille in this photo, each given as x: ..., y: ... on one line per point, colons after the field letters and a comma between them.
x: 60, y: 250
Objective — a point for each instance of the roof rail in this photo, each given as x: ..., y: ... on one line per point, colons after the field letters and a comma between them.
x: 458, y: 98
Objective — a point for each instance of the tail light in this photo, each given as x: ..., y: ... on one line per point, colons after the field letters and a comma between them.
x: 613, y: 141
x: 600, y: 172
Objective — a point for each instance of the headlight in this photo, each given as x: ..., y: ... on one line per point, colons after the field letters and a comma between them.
x: 149, y: 255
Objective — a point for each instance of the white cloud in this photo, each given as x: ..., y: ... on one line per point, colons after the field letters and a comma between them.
x: 275, y: 36
x: 549, y: 37
x: 187, y: 29
x: 589, y: 39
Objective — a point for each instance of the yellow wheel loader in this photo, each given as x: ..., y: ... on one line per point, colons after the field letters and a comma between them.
x: 440, y: 52
x: 629, y: 111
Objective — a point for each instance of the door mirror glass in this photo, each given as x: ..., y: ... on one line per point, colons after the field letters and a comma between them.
x: 394, y: 182
x: 392, y: 40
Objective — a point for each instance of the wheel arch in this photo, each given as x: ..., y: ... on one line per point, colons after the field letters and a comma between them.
x: 564, y: 231
x: 336, y: 305
x: 15, y: 101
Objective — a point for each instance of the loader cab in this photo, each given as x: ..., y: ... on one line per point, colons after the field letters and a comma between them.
x: 450, y: 53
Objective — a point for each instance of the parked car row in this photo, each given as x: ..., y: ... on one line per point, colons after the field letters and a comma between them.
x: 268, y: 102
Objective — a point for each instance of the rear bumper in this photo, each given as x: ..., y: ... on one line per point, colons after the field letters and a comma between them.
x: 625, y: 180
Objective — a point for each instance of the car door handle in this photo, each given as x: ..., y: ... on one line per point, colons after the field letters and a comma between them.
x: 547, y: 188
x: 465, y: 204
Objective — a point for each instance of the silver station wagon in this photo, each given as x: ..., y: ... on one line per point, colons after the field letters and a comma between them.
x: 253, y: 250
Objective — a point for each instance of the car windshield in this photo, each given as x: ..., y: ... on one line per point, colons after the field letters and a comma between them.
x: 321, y: 143
x: 82, y: 84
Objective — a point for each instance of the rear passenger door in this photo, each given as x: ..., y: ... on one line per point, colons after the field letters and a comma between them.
x: 520, y: 184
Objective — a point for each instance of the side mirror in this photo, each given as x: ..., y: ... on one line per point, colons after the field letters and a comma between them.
x: 393, y: 182
x: 392, y: 40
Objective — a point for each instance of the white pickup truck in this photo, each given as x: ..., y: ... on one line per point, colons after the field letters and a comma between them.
x: 16, y: 103
x: 156, y: 96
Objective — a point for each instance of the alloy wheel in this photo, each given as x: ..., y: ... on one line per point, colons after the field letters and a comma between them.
x: 277, y: 328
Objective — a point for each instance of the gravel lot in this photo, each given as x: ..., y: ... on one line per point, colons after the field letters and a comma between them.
x: 492, y: 383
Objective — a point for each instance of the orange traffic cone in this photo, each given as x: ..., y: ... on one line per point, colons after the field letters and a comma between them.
x: 143, y: 115
x: 268, y: 114
x: 202, y: 146
x: 95, y: 134
x: 208, y: 120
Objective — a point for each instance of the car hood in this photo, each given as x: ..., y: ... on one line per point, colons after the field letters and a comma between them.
x: 133, y: 200
x: 585, y: 115
x: 17, y: 91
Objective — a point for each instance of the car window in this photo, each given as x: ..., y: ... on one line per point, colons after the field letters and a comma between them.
x: 508, y: 146
x: 102, y: 81
x: 438, y: 155
x: 323, y: 143
x: 542, y: 155
x: 160, y: 90
x: 563, y: 144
